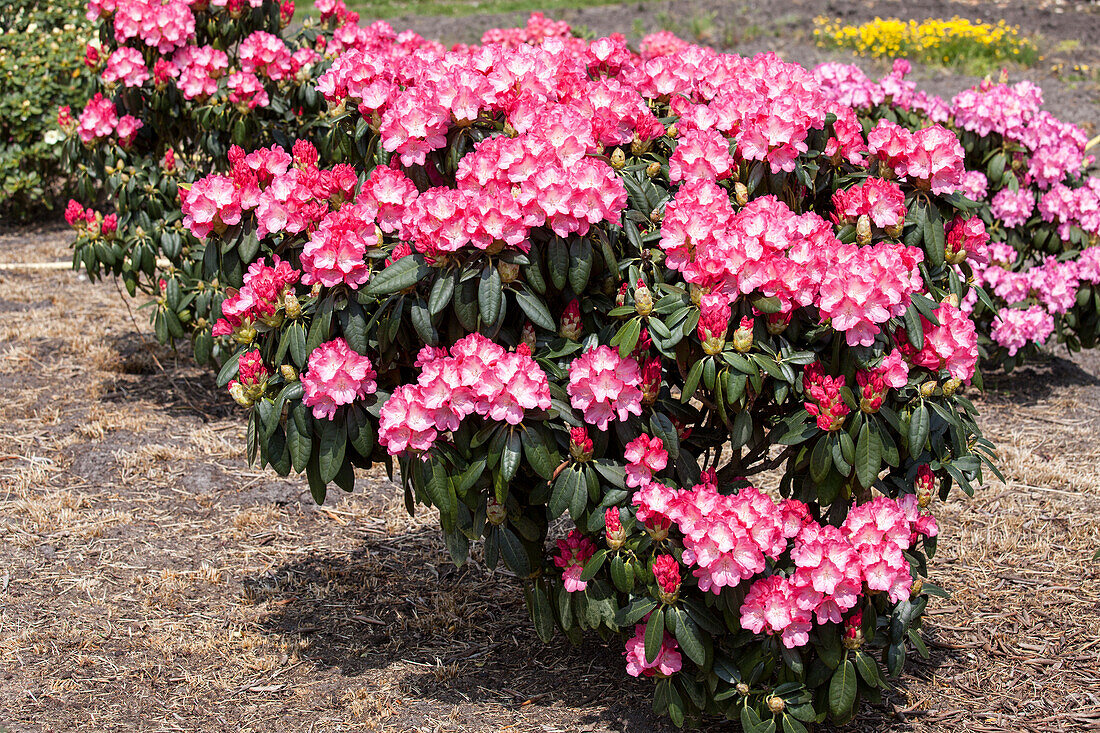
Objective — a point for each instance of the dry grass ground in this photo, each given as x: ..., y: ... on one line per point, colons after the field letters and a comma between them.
x: 149, y: 580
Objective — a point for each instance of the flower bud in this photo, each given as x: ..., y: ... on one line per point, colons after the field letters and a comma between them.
x: 696, y: 294
x: 252, y: 379
x: 863, y: 230
x: 853, y: 631
x: 245, y: 334
x: 894, y: 230
x: 618, y: 159
x: 741, y: 194
x: 918, y: 586
x: 289, y: 373
x: 776, y: 704
x: 238, y: 393
x: 742, y: 688
x: 643, y: 299
x: 495, y: 512
x: 951, y: 386
x: 742, y: 336
x: 656, y: 216
x: 925, y: 485
x: 651, y: 381
x: 928, y: 388
x: 291, y: 305
x: 653, y: 169
x: 639, y: 146
x: 620, y: 297
x: 657, y: 527
x: 667, y: 572
x: 952, y: 299
x: 580, y: 445
x: 571, y: 326
x: 673, y: 131
x: 615, y: 533
x: 508, y: 271
x: 527, y: 335
x: 873, y: 389
x: 714, y: 315
x: 777, y: 322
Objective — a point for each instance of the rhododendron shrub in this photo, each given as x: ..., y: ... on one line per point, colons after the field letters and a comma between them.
x: 1033, y: 240
x: 584, y: 300
x: 177, y: 83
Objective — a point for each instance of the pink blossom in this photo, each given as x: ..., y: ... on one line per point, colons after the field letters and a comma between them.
x: 668, y: 661
x: 645, y: 456
x: 336, y: 375
x: 604, y: 386
x: 336, y: 250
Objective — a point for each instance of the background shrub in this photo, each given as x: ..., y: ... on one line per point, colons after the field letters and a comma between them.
x: 41, y: 68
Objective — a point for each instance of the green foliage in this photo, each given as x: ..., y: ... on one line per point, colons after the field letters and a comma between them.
x: 41, y: 68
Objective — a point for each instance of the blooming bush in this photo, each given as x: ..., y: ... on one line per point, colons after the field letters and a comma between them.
x: 546, y: 276
x: 40, y: 70
x: 178, y: 83
x: 1032, y: 243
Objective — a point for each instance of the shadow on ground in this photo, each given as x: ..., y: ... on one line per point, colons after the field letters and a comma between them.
x: 150, y: 372
x: 396, y: 609
x: 1040, y: 378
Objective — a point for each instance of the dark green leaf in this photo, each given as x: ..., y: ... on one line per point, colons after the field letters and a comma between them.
x: 402, y: 274
x: 654, y: 634
x: 842, y: 689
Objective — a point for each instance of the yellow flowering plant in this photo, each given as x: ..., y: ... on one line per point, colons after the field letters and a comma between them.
x: 958, y: 42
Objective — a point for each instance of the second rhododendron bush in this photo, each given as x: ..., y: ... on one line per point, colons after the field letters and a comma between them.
x: 680, y: 339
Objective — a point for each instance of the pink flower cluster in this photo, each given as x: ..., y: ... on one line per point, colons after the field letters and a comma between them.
x: 644, y: 456
x: 283, y: 198
x: 162, y: 25
x: 729, y: 538
x: 931, y: 156
x: 126, y: 66
x: 604, y: 386
x: 765, y: 247
x: 832, y: 567
x: 336, y: 250
x: 479, y: 377
x: 247, y: 91
x: 197, y: 70
x: 1054, y: 149
x: 573, y: 552
x: 882, y: 201
x: 98, y: 120
x: 1034, y: 296
x: 668, y: 661
x: 1012, y: 208
x: 950, y: 346
x: 336, y: 375
x: 726, y: 538
x: 264, y: 292
x: 1067, y: 207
